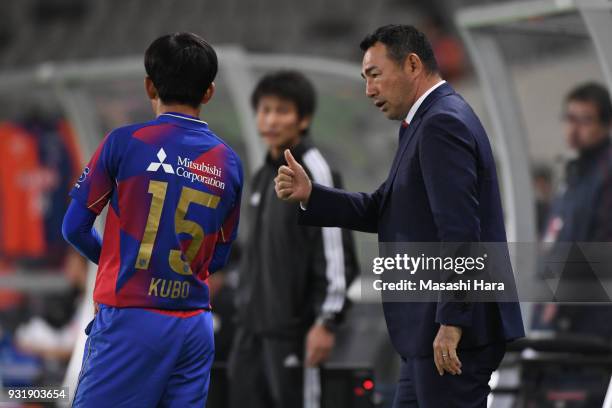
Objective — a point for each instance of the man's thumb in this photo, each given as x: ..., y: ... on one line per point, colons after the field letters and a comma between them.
x: 293, y: 164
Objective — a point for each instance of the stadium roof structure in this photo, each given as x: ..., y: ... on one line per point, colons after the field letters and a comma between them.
x: 483, y: 29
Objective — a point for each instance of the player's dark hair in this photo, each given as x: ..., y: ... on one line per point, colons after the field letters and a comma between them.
x: 401, y: 40
x: 598, y: 95
x: 289, y: 85
x: 182, y: 66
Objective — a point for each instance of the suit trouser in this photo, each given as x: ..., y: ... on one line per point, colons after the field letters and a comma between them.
x: 267, y: 372
x: 421, y: 386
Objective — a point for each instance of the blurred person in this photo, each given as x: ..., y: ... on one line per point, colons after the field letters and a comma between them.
x: 442, y: 187
x: 582, y: 211
x: 40, y: 162
x: 293, y: 279
x: 447, y: 49
x: 174, y: 189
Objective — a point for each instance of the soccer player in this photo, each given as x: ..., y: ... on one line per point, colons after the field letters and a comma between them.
x: 293, y: 279
x: 174, y: 189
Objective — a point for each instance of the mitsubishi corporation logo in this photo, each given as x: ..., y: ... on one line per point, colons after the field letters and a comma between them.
x: 154, y: 166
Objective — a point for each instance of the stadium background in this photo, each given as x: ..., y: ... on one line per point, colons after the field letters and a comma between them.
x: 71, y: 70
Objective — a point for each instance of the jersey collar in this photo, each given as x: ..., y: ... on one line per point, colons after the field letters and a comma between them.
x: 183, y: 120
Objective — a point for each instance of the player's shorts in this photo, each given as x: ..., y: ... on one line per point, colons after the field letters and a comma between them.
x: 139, y: 358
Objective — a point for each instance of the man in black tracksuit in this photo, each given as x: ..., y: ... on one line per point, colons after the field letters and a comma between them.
x: 293, y: 279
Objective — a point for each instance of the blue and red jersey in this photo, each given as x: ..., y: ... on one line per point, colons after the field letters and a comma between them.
x: 174, y: 189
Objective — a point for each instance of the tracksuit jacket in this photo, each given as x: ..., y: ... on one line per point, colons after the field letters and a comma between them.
x: 291, y: 275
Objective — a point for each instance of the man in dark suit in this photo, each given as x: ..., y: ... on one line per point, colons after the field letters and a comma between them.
x: 442, y: 187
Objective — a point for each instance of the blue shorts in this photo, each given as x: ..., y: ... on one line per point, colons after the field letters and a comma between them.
x: 139, y: 358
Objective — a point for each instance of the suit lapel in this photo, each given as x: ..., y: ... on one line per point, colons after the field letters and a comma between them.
x: 442, y: 90
x: 403, y: 145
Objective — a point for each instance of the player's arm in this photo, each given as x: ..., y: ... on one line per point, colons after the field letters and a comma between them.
x: 78, y: 230
x: 90, y: 195
x: 229, y: 230
x: 224, y: 244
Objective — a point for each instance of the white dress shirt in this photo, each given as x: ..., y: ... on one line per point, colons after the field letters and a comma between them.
x: 419, y: 101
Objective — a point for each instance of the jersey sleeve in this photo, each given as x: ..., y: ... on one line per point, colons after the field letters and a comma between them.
x: 95, y: 186
x: 229, y: 230
x: 78, y: 230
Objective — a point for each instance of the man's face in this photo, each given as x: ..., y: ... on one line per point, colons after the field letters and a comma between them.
x: 278, y: 122
x: 582, y: 126
x: 390, y: 86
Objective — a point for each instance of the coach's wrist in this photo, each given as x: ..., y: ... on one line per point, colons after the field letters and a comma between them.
x: 304, y: 202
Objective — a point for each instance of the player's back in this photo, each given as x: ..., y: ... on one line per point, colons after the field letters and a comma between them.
x: 174, y: 189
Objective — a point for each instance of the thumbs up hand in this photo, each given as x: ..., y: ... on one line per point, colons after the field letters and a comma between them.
x: 292, y: 183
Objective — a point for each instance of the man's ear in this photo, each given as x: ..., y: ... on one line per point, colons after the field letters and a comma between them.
x: 208, y: 94
x: 413, y: 64
x: 305, y: 123
x: 150, y: 88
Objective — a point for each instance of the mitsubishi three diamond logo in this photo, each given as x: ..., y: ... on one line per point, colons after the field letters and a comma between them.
x: 154, y: 166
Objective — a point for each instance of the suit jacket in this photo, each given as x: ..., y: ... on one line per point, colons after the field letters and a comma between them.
x: 442, y: 187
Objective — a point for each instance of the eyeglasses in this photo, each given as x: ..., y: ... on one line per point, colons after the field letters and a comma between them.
x: 578, y: 120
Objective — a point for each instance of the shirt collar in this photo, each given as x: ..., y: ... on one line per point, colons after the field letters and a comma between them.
x: 297, y: 151
x: 182, y: 119
x: 419, y: 101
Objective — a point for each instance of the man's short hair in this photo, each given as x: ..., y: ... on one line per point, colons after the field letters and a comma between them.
x: 182, y: 66
x: 401, y: 40
x: 598, y: 95
x: 289, y: 85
